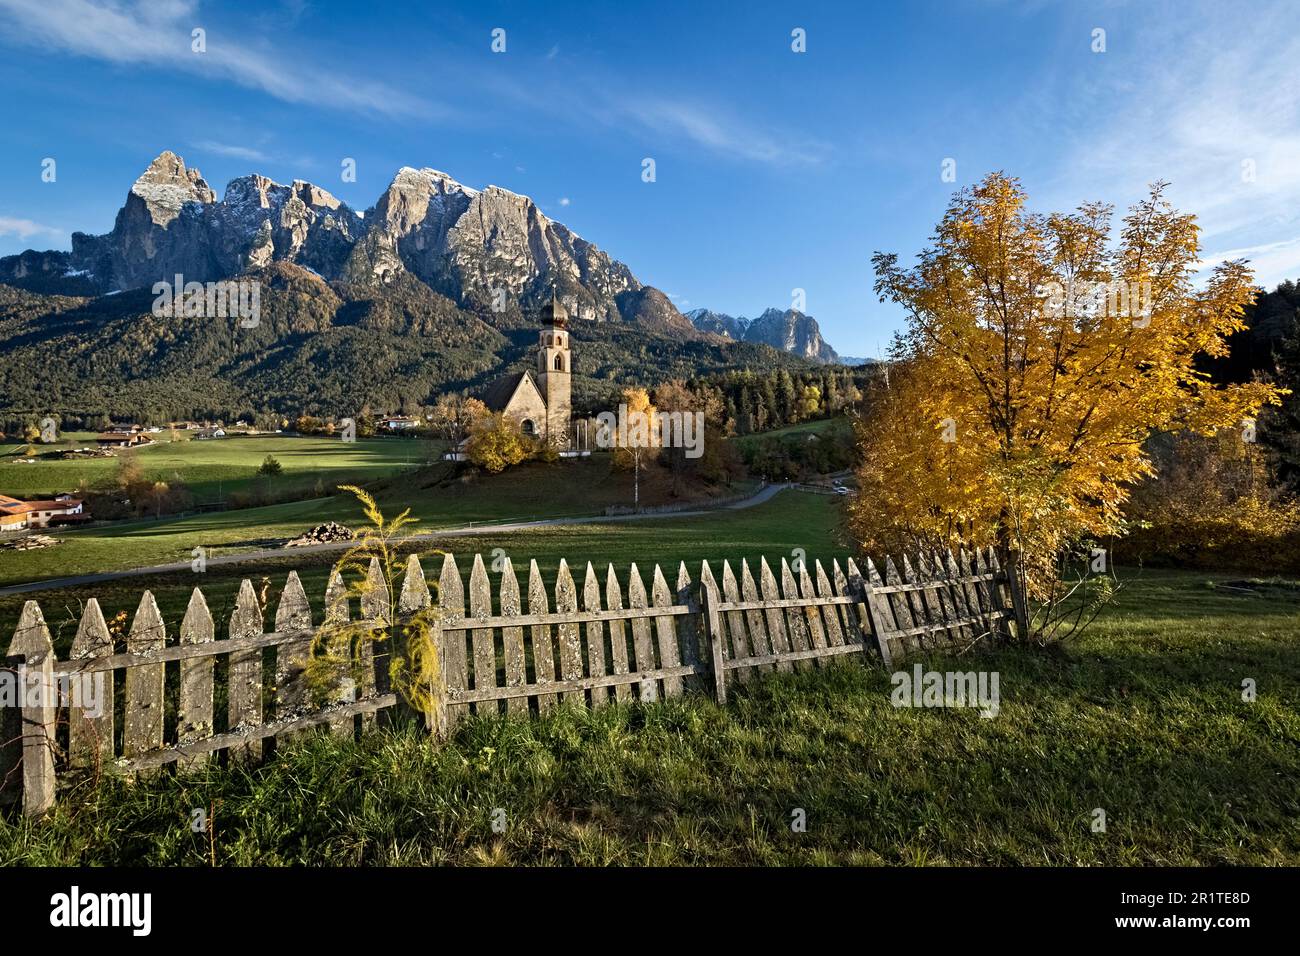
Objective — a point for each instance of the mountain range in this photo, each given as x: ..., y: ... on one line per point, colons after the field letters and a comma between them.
x: 430, y: 254
x: 790, y: 331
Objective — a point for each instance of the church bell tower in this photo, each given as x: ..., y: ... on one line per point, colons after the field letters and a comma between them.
x: 554, y: 369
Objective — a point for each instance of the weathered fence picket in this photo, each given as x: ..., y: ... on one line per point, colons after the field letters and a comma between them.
x: 90, y: 735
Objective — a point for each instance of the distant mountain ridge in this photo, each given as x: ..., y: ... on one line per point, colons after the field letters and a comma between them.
x: 467, y: 244
x: 789, y: 331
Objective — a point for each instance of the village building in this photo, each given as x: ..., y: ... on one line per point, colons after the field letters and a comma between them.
x: 16, y: 515
x: 541, y: 402
x: 122, y: 439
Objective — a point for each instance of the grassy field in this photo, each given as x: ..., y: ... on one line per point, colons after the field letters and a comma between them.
x: 217, y: 468
x: 1142, y: 717
x: 792, y: 519
x: 531, y: 491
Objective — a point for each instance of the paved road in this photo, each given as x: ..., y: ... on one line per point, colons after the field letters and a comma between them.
x: 52, y: 584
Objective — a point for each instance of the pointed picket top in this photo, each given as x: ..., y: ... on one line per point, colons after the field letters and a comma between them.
x: 872, y: 574
x: 659, y: 589
x: 32, y: 638
x: 147, y: 633
x: 451, y: 592
x: 841, y: 581
x: 566, y: 593
x: 374, y: 594
x: 909, y: 573
x: 508, y: 590
x: 415, y: 591
x: 729, y: 589
x: 613, y: 590
x: 635, y: 588
x: 93, y: 638
x: 706, y: 577
x: 480, y: 593
x: 247, y: 615
x: 294, y: 612
x: 766, y: 579
x: 891, y: 572
x: 590, y: 590
x: 855, y: 576
x: 683, y: 584
x: 806, y: 582
x: 537, y: 599
x: 748, y: 589
x: 197, y: 626
x: 337, y: 609
x: 823, y: 582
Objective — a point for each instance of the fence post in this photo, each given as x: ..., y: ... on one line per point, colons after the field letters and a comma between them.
x: 880, y: 615
x: 32, y: 643
x: 1019, y: 606
x: 713, y: 625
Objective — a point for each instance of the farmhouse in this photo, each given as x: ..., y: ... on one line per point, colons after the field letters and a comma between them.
x: 207, y: 434
x: 122, y: 439
x: 541, y: 402
x: 16, y: 515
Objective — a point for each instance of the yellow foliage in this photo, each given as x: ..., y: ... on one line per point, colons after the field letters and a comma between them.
x: 343, y: 650
x: 495, y: 443
x: 1017, y: 416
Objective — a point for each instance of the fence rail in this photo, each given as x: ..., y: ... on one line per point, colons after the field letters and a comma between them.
x: 503, y: 649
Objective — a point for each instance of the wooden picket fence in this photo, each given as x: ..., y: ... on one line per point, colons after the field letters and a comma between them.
x: 587, y: 645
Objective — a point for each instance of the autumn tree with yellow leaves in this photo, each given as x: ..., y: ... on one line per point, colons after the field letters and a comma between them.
x: 1038, y: 358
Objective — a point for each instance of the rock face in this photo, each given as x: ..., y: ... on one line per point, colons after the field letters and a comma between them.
x: 464, y: 243
x: 790, y: 331
x: 467, y: 243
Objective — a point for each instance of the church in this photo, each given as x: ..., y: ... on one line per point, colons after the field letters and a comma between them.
x: 541, y: 401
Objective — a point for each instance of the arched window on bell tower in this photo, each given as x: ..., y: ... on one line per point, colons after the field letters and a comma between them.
x: 559, y: 363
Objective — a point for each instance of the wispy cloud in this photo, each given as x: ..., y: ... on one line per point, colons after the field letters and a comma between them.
x: 159, y: 34
x: 25, y: 228
x: 232, y: 150
x: 1212, y: 106
x: 716, y: 130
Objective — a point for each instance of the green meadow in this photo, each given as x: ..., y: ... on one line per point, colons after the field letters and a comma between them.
x: 213, y: 469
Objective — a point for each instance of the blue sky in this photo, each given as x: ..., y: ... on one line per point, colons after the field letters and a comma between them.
x: 776, y: 170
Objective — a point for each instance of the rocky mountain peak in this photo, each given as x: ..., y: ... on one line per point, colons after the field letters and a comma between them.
x: 166, y: 186
x: 789, y: 330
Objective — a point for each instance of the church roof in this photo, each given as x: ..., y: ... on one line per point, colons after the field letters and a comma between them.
x: 499, y: 393
x: 554, y: 312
